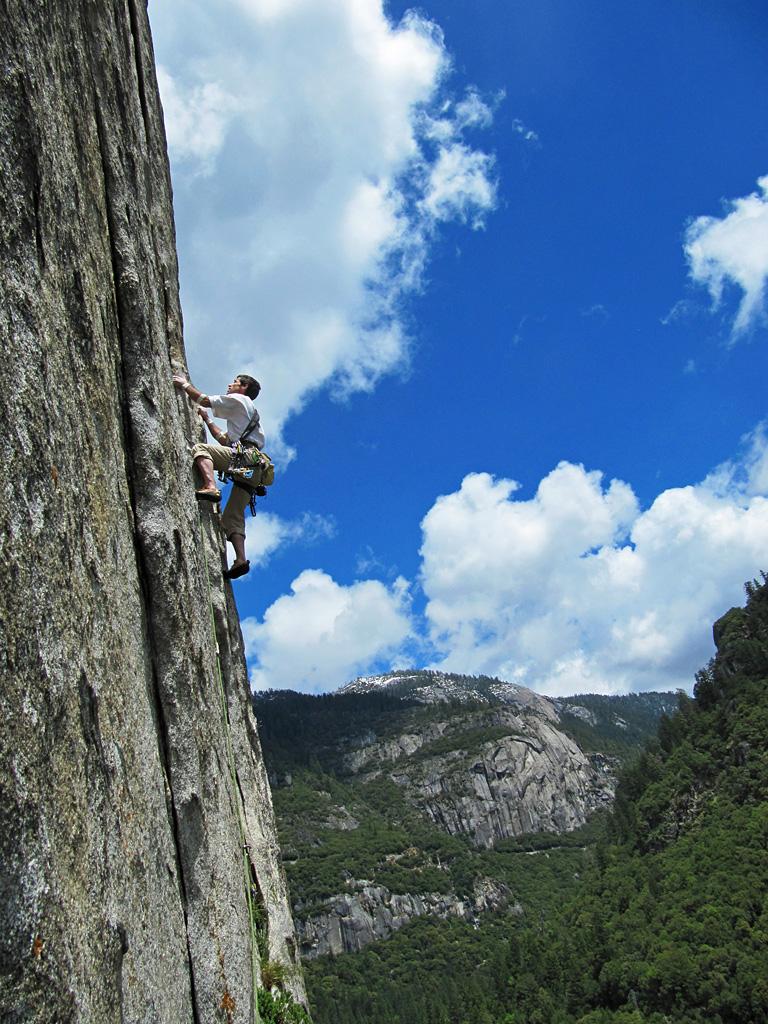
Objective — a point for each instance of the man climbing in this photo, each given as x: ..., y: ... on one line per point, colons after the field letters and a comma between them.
x: 237, y: 408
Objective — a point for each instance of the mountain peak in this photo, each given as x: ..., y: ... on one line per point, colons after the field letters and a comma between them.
x: 427, y: 686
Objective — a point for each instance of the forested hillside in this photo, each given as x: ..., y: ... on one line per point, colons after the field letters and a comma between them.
x: 345, y: 814
x: 366, y: 863
x: 668, y: 919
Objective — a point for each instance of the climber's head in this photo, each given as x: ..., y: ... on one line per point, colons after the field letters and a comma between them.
x: 243, y: 384
x: 250, y: 384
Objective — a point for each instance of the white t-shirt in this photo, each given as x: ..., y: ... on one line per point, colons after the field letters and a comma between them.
x: 237, y: 410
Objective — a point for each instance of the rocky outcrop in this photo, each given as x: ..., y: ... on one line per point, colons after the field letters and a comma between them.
x: 123, y: 878
x: 530, y: 777
x: 352, y: 920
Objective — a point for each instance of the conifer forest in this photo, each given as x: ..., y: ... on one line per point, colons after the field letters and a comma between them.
x: 654, y: 911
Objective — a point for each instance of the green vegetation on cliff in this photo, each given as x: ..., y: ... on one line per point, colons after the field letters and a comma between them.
x: 669, y: 922
x: 336, y: 824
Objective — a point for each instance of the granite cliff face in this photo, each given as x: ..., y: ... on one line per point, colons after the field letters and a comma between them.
x: 370, y: 912
x: 529, y: 778
x: 488, y: 774
x: 535, y: 779
x: 123, y: 881
x: 423, y: 793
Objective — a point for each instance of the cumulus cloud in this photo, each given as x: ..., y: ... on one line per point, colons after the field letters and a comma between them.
x: 195, y: 122
x: 323, y: 634
x: 307, y: 206
x: 734, y: 249
x: 577, y: 589
x: 267, y: 532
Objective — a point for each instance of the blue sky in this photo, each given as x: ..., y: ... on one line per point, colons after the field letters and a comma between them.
x: 500, y: 268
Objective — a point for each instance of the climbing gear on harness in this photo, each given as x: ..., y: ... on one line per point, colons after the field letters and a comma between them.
x: 250, y: 466
x: 259, y: 491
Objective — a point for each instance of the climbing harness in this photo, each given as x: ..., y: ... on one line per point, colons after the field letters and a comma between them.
x: 258, y: 491
x: 250, y: 470
x: 249, y: 465
x: 236, y: 788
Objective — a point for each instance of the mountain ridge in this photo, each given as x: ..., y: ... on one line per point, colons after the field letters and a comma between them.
x: 659, y: 915
x: 387, y: 790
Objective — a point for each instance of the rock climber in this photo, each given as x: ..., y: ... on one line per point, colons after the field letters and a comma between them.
x: 237, y: 408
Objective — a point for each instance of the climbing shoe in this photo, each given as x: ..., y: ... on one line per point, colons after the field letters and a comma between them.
x: 237, y: 570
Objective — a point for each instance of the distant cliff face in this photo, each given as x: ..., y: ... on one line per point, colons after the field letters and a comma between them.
x: 486, y: 774
x: 528, y: 777
x: 123, y: 886
x: 423, y: 793
x: 370, y: 912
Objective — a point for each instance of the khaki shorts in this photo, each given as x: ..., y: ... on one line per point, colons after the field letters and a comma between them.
x: 233, y: 517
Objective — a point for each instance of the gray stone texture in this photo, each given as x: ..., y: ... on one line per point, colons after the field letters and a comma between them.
x: 122, y: 874
x: 370, y: 912
x: 536, y: 779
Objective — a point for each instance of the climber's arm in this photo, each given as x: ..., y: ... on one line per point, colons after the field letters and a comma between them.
x: 197, y: 396
x: 220, y: 436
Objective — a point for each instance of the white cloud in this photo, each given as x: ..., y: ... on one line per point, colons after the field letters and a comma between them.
x: 598, y: 312
x: 196, y: 122
x: 573, y: 590
x: 683, y: 309
x: 368, y: 563
x: 578, y: 590
x: 324, y: 634
x: 459, y: 185
x: 306, y: 208
x: 528, y: 134
x: 268, y: 532
x: 473, y: 111
x: 734, y: 249
x: 522, y: 331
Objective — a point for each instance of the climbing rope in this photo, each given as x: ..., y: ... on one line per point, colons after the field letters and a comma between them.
x: 240, y: 814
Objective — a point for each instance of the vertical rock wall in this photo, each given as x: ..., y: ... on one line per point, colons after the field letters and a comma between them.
x: 122, y: 876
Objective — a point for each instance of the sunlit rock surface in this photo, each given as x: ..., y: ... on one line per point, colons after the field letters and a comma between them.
x: 122, y: 875
x: 531, y: 778
x: 489, y: 762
